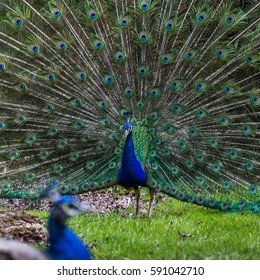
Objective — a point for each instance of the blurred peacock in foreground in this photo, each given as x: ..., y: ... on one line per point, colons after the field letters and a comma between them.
x: 64, y: 244
x: 158, y: 94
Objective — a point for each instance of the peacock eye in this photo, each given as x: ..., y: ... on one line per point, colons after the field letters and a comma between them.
x: 71, y: 206
x: 35, y: 48
x: 22, y: 86
x: 18, y: 22
x: 229, y: 19
x: 165, y: 59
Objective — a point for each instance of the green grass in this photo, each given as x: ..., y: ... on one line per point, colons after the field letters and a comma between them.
x: 213, y: 234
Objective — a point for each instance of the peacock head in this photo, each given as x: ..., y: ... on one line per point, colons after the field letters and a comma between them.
x: 64, y: 206
x: 127, y: 128
x: 67, y: 207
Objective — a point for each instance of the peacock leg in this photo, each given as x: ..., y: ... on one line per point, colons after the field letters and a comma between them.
x: 137, y: 194
x: 152, y: 193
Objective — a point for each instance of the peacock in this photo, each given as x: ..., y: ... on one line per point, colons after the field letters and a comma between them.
x: 138, y: 93
x: 64, y: 244
x: 15, y: 250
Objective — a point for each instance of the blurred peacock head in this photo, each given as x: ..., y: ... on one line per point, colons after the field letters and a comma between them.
x: 68, y: 207
x: 127, y: 128
x: 64, y: 206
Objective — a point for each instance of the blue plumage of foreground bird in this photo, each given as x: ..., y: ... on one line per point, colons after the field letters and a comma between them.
x: 64, y: 244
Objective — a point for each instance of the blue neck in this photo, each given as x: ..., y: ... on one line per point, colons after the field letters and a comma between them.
x: 64, y: 243
x: 131, y: 173
x: 55, y: 230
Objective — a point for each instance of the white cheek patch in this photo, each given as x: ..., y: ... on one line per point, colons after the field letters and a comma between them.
x: 127, y: 131
x: 71, y: 212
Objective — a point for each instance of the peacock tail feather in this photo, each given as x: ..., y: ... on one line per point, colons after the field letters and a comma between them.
x: 188, y: 71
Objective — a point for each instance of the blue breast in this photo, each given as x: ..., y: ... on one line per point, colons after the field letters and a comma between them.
x: 64, y: 244
x: 131, y: 173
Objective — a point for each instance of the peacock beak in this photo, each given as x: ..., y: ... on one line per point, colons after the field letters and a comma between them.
x: 87, y: 207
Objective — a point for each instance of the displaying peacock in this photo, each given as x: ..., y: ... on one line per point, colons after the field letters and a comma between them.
x: 137, y: 93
